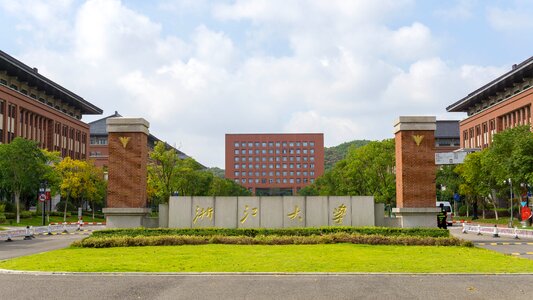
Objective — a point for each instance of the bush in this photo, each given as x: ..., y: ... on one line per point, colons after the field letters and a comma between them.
x: 332, y: 238
x: 253, y: 232
x: 9, y: 206
x: 25, y: 214
x: 61, y: 206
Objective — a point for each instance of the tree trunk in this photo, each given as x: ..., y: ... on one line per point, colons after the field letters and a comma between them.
x: 92, y: 208
x: 65, y: 210
x: 17, y: 204
x: 494, y: 203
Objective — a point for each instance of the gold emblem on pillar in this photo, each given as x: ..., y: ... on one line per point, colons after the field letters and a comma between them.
x: 418, y: 139
x: 124, y: 140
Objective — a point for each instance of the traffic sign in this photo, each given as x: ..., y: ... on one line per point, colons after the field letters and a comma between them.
x: 42, y: 197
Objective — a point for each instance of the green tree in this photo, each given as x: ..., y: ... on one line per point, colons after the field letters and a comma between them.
x: 22, y: 167
x: 367, y: 170
x: 71, y: 173
x: 94, y: 186
x: 162, y: 172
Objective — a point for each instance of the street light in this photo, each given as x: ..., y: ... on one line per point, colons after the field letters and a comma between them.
x: 511, y: 194
x: 42, y: 197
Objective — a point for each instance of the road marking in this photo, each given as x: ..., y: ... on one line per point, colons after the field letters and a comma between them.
x: 515, y: 253
x: 506, y: 243
x: 501, y: 244
x: 494, y: 244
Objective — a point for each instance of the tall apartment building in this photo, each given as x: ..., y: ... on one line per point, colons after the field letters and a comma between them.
x: 274, y: 164
x: 36, y: 108
x: 500, y: 104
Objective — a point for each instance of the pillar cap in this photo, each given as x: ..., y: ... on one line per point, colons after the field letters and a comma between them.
x: 415, y: 123
x: 127, y: 125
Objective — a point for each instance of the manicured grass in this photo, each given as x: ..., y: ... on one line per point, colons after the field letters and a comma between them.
x: 37, y: 220
x: 490, y: 221
x: 287, y: 258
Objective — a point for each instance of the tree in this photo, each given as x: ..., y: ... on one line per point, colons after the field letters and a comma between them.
x: 162, y: 172
x: 22, y: 167
x: 71, y: 173
x: 94, y: 186
x: 367, y: 170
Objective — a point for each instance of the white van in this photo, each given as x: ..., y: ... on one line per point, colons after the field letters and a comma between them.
x: 449, y: 211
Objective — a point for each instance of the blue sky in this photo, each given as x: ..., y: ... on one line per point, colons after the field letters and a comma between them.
x: 199, y: 69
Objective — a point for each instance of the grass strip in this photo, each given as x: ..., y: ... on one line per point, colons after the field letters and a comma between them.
x: 252, y: 232
x: 287, y: 258
x: 334, y: 238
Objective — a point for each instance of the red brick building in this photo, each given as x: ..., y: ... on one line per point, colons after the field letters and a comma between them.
x: 500, y: 104
x: 36, y: 108
x: 274, y: 164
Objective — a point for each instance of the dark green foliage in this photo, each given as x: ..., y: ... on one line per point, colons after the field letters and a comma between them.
x: 23, y: 214
x: 218, y: 172
x: 332, y: 155
x: 253, y: 232
x: 330, y: 238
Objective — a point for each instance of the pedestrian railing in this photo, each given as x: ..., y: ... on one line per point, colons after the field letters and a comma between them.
x: 496, y: 231
x: 51, y: 229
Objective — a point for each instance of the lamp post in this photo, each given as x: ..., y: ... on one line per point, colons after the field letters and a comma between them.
x: 42, y: 198
x: 511, y: 194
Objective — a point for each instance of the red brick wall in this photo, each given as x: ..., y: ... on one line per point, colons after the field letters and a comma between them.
x: 415, y: 169
x: 127, y: 170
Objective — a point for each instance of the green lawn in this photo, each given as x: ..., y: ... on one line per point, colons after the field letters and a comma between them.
x: 505, y: 220
x: 290, y: 258
x: 37, y: 220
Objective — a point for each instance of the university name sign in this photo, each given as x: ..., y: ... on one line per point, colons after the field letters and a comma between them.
x: 270, y: 212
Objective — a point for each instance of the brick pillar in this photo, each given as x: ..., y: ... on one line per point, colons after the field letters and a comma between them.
x: 415, y: 171
x: 128, y: 157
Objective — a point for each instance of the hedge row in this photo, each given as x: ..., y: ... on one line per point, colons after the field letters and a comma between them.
x: 333, y: 238
x: 253, y: 232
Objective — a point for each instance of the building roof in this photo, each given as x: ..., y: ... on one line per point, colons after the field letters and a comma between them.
x: 447, y: 129
x: 99, y: 128
x: 507, y: 80
x: 24, y: 73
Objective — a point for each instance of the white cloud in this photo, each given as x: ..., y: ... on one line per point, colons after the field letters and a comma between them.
x: 510, y: 19
x: 349, y: 73
x: 461, y: 10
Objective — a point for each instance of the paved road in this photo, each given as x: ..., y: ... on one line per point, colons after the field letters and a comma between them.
x: 522, y: 247
x: 296, y: 286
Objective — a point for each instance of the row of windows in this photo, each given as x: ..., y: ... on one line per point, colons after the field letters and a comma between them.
x: 98, y: 141
x: 272, y: 151
x: 271, y: 158
x: 278, y: 173
x: 277, y: 166
x: 271, y: 144
x: 277, y: 180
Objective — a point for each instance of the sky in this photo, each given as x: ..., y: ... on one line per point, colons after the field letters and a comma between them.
x: 197, y: 69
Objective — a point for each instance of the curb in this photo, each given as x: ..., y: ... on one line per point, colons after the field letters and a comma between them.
x: 222, y: 274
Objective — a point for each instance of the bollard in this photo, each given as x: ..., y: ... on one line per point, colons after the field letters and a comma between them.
x: 9, y: 238
x: 495, y: 234
x: 65, y: 228
x: 49, y: 229
x: 78, y: 226
x: 478, y: 229
x: 32, y: 232
x: 464, y: 229
x: 27, y: 236
x: 516, y: 233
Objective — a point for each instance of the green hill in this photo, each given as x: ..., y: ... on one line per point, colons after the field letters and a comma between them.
x: 333, y: 154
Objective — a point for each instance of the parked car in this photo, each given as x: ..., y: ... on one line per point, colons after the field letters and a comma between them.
x: 449, y: 211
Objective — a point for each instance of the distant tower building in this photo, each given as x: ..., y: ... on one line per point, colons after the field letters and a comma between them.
x: 274, y: 164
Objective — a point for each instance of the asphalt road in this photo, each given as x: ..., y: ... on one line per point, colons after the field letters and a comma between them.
x: 504, y: 244
x: 294, y: 286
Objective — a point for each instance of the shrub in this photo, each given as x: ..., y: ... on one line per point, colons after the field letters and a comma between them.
x: 340, y: 237
x: 60, y: 206
x: 253, y: 232
x: 23, y: 215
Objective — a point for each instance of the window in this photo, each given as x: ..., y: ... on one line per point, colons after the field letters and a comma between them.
x: 298, y: 158
x: 236, y: 173
x: 236, y: 151
x: 271, y: 180
x: 305, y: 158
x: 271, y: 166
x: 256, y: 151
x: 250, y: 151
x: 250, y: 173
x: 305, y: 173
x: 271, y: 158
x: 250, y: 158
x: 277, y: 166
x: 256, y: 174
x: 298, y: 166
x: 264, y: 166
x: 312, y: 158
x: 263, y: 173
x: 284, y: 158
x: 297, y: 151
x: 277, y: 158
x: 291, y: 151
x: 312, y: 166
x: 270, y: 144
x: 312, y: 173
x: 236, y: 144
x: 305, y: 166
x: 263, y: 144
x: 278, y: 180
x: 312, y: 180
x: 298, y: 180
x: 291, y: 180
x: 250, y: 166
x: 278, y: 173
x: 291, y: 166
x: 291, y: 144
x: 263, y: 180
x: 291, y: 158
x: 237, y: 158
x: 312, y: 151
x: 305, y: 180
x: 291, y: 173
x: 284, y: 166
x: 298, y: 173
x: 284, y: 173
x: 270, y: 173
x: 243, y: 180
x: 277, y: 144
x: 263, y: 159
x: 277, y: 151
x: 250, y: 180
x: 237, y: 180
x: 250, y: 144
x: 284, y: 144
x: 243, y: 166
x: 236, y: 166
x: 297, y: 144
x: 284, y: 151
x: 263, y: 151
x: 256, y: 158
x: 284, y: 180
x: 257, y: 144
x: 312, y: 144
x: 257, y: 180
x: 305, y: 151
x: 243, y: 145
x: 270, y: 151
x: 257, y: 166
